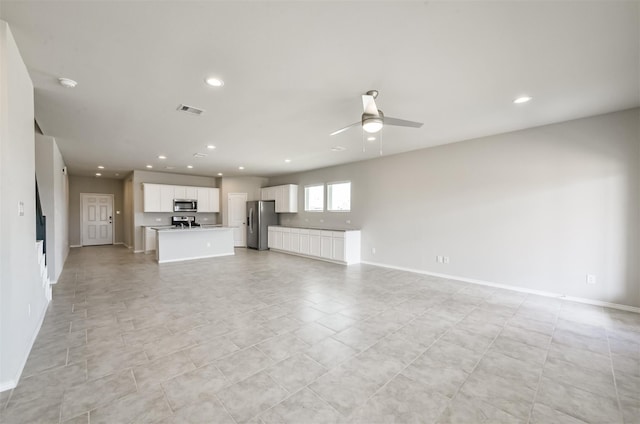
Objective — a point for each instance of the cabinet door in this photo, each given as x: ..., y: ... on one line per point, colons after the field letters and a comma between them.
x: 314, y: 244
x: 337, y: 253
x: 326, y: 246
x: 203, y: 195
x: 271, y: 235
x: 280, y: 202
x: 191, y: 193
x: 149, y: 239
x: 167, y: 194
x: 180, y: 192
x: 304, y: 243
x: 292, y: 198
x: 277, y: 240
x: 151, y: 194
x: 268, y: 193
x: 286, y: 239
x: 214, y: 200
x: 295, y: 242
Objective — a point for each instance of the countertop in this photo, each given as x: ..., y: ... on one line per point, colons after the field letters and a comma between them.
x: 200, y: 228
x: 316, y: 228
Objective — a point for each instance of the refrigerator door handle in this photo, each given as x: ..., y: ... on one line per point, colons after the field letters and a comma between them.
x: 250, y: 219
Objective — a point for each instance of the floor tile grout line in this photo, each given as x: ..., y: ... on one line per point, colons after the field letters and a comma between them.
x: 546, y: 356
x: 615, y: 382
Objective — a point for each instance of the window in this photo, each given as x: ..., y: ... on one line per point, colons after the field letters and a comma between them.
x: 339, y: 197
x: 314, y: 198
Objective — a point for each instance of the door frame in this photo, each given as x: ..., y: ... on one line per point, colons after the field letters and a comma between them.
x: 113, y: 206
x: 246, y: 195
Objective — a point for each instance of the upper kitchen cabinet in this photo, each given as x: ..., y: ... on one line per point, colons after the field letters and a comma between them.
x: 188, y: 193
x: 208, y: 199
x: 286, y: 197
x: 158, y: 197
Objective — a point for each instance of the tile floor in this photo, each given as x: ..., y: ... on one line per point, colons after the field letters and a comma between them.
x: 263, y: 337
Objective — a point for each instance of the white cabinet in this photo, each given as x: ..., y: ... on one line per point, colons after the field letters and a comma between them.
x: 286, y: 197
x: 337, y: 246
x: 295, y: 240
x: 333, y: 246
x: 149, y: 239
x: 208, y: 199
x: 304, y: 241
x: 185, y: 192
x: 157, y: 197
x: 314, y: 242
x: 326, y: 244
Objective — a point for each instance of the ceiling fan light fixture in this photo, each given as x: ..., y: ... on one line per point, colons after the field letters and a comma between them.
x: 522, y: 99
x: 372, y: 125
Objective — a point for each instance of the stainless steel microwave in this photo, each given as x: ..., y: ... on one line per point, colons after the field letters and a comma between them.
x: 185, y: 205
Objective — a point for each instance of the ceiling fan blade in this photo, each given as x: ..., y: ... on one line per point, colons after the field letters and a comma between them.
x: 401, y: 122
x: 346, y: 128
x: 369, y: 105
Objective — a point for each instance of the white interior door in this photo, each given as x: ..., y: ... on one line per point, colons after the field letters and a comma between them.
x: 97, y: 219
x: 237, y: 211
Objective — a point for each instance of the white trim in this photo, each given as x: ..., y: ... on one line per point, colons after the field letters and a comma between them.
x: 512, y: 288
x: 119, y: 243
x: 138, y: 251
x: 74, y: 245
x: 53, y: 282
x: 12, y: 383
x: 194, y: 258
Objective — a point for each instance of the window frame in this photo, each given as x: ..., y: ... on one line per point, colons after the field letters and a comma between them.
x: 306, y: 203
x: 328, y: 196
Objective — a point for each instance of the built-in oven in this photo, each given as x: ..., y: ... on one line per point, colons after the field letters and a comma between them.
x: 185, y: 205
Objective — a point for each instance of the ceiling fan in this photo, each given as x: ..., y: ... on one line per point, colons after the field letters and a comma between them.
x: 373, y: 119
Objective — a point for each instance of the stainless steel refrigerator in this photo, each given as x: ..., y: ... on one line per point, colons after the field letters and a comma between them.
x: 260, y: 214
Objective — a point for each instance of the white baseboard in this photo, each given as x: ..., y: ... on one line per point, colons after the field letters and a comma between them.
x: 512, y: 288
x: 138, y: 251
x: 119, y: 242
x: 12, y: 383
x: 75, y: 245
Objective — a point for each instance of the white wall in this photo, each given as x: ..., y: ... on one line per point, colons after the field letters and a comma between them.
x: 53, y: 185
x: 249, y: 185
x: 537, y: 209
x: 20, y: 283
x: 140, y: 218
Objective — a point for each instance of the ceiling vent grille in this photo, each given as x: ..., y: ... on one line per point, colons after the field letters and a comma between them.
x: 190, y: 109
x: 199, y: 155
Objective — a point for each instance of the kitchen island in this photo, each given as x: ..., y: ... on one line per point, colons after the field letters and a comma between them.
x: 178, y: 244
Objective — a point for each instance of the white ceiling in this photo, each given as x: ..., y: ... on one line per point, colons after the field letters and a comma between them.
x: 294, y: 72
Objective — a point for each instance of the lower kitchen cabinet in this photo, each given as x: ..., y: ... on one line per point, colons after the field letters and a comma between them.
x: 334, y: 246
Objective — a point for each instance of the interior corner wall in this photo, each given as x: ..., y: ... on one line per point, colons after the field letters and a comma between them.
x: 23, y: 300
x: 141, y: 218
x: 53, y: 187
x: 249, y: 185
x: 537, y: 209
x: 127, y: 187
x: 78, y: 185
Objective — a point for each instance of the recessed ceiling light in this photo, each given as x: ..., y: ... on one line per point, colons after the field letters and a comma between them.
x: 190, y: 166
x: 219, y: 174
x: 169, y: 167
x: 162, y: 157
x: 211, y: 146
x: 371, y: 138
x: 338, y: 149
x: 98, y: 174
x: 67, y: 83
x: 287, y: 160
x: 100, y: 167
x: 214, y: 82
x: 149, y: 166
x: 523, y: 99
x: 241, y: 168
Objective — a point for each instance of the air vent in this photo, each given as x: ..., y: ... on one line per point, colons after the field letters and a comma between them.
x: 190, y: 109
x: 199, y: 155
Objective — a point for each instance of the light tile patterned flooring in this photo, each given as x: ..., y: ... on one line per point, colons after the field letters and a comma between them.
x: 263, y: 337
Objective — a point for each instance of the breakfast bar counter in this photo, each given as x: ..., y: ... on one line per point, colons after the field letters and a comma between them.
x: 177, y: 244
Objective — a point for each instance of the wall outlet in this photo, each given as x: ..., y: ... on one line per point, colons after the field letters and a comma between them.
x: 373, y: 250
x: 591, y: 279
x: 158, y: 219
x: 348, y: 221
x: 445, y: 259
x: 205, y: 219
x: 439, y: 259
x: 20, y: 208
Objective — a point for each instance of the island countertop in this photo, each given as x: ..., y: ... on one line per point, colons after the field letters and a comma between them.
x: 199, y: 228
